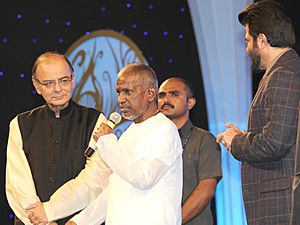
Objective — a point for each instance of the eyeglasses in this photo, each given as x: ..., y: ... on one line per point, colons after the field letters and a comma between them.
x: 50, y: 84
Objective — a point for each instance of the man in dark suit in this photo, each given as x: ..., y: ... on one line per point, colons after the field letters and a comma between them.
x: 267, y: 148
x: 295, y: 220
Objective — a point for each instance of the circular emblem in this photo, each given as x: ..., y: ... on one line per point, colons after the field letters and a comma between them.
x: 97, y: 58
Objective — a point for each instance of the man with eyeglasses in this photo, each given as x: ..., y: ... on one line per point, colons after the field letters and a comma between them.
x: 46, y: 147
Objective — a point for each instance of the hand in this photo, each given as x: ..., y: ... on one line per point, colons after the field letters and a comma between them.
x: 101, y: 131
x: 37, y: 213
x: 226, y: 137
x: 70, y: 222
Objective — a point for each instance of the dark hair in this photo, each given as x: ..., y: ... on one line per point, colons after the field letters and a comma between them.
x: 270, y: 18
x: 48, y: 56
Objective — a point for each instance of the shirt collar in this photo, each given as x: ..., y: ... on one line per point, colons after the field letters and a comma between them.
x: 185, y: 129
x: 63, y: 112
x: 275, y: 60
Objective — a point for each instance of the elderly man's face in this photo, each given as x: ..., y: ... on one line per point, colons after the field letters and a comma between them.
x: 132, y: 97
x: 54, y: 81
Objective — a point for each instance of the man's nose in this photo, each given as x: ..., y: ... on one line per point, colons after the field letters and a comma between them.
x: 57, y: 86
x: 121, y: 98
x: 166, y: 99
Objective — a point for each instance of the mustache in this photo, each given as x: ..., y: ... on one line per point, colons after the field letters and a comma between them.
x: 167, y: 104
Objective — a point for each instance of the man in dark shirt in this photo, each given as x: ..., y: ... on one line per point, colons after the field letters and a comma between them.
x: 201, y: 153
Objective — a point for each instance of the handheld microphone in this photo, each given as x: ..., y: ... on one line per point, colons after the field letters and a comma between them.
x: 113, y: 120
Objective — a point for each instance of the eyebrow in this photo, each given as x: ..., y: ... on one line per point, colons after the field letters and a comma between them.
x: 169, y: 92
x: 59, y: 78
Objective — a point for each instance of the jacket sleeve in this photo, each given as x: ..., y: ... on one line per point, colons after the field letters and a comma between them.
x: 277, y: 136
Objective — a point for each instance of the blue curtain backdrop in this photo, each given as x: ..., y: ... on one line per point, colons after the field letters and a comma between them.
x: 227, y: 83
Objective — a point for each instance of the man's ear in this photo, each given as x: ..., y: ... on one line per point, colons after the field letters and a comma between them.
x: 262, y: 40
x: 151, y: 94
x: 190, y: 103
x: 37, y: 86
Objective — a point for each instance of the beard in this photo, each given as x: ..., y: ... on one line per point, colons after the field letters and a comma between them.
x: 256, y: 61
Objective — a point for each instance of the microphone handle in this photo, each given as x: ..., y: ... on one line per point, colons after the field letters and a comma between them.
x: 110, y: 123
x: 89, y: 152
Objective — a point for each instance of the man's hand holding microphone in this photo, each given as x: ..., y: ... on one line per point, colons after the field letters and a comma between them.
x: 103, y: 129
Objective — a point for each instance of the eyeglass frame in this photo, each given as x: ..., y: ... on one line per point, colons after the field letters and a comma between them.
x: 50, y: 84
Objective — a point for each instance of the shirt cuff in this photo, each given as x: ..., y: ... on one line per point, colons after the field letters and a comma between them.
x: 49, y: 211
x: 76, y: 219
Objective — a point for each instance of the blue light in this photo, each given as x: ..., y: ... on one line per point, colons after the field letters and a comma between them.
x: 1, y: 73
x: 180, y: 36
x: 47, y: 21
x: 5, y: 40
x: 61, y: 40
x: 68, y: 23
x: 19, y: 16
x: 122, y: 31
x: 182, y: 9
x: 103, y: 8
x: 87, y: 33
x: 33, y: 92
x: 150, y: 6
x: 22, y: 75
x: 128, y: 5
x: 146, y: 33
x: 11, y: 216
x: 134, y: 26
x: 166, y: 33
x: 170, y: 61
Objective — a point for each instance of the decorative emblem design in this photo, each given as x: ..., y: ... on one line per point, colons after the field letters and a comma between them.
x: 97, y: 58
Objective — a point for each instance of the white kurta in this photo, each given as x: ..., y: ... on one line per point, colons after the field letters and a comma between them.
x: 146, y: 184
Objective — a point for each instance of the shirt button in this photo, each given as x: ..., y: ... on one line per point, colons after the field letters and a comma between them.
x: 55, y: 142
x: 52, y: 180
x: 53, y: 161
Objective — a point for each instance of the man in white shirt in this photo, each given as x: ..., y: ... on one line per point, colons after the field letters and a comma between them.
x: 146, y: 184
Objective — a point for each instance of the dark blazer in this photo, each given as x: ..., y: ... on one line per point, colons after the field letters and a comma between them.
x: 267, y: 149
x: 295, y: 220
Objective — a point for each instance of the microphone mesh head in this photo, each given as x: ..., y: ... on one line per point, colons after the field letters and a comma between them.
x: 115, y: 117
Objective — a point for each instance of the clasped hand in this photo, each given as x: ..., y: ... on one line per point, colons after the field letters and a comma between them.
x: 226, y: 137
x: 37, y: 214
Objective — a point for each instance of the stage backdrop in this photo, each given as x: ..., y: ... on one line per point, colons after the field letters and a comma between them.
x: 116, y: 32
x: 159, y: 33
